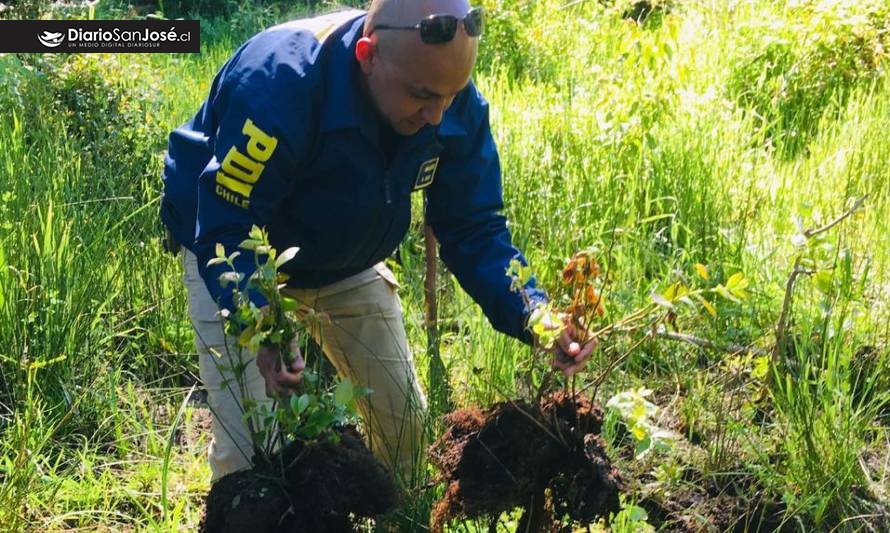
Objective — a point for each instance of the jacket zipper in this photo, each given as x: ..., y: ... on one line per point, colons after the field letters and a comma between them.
x: 387, y: 188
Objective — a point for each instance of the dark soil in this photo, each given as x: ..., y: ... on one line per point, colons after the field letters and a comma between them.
x: 547, y: 459
x: 324, y: 489
x: 694, y: 509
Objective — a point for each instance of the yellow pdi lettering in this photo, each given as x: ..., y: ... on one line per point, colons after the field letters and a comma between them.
x: 232, y: 184
x: 260, y: 145
x: 241, y: 167
x: 239, y: 171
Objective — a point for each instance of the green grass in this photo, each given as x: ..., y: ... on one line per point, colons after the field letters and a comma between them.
x: 697, y: 137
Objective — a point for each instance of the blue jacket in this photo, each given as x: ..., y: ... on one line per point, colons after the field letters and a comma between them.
x: 286, y: 141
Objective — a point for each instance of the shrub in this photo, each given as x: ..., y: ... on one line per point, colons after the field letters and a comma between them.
x: 103, y: 106
x: 807, y: 64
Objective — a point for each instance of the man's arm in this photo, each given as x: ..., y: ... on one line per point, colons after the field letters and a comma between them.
x: 263, y: 128
x: 463, y: 208
x: 262, y: 112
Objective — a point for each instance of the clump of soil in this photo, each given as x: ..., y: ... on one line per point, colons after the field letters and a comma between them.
x: 515, y: 454
x: 325, y: 488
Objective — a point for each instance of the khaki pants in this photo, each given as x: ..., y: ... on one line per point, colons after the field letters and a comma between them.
x: 362, y: 333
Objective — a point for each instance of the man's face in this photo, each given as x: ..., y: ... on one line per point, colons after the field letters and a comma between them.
x: 412, y: 83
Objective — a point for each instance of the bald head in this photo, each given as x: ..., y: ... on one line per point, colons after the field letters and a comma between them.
x: 411, y: 82
x: 410, y: 12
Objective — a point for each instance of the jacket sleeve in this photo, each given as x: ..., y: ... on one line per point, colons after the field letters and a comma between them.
x: 463, y: 208
x: 256, y: 152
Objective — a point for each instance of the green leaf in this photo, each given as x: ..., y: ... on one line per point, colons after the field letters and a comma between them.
x: 709, y: 307
x: 823, y: 281
x: 288, y: 304
x: 643, y: 446
x: 637, y: 412
x: 343, y: 394
x: 256, y: 341
x: 660, y: 300
x: 249, y: 244
x: 761, y: 367
x: 317, y: 422
x: 636, y: 514
x: 675, y: 292
x: 216, y: 261
x: 230, y: 277
x: 298, y: 404
x: 220, y: 250
x: 513, y: 267
x: 736, y: 282
x: 722, y: 291
x: 519, y: 273
x: 245, y: 337
x: 286, y: 255
x: 546, y: 325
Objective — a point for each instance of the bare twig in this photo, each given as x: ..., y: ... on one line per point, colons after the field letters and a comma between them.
x: 797, y: 271
x: 709, y: 344
x: 813, y: 232
x: 595, y: 384
x: 782, y: 323
x: 498, y: 461
x: 440, y: 394
x: 525, y: 413
x: 573, y: 3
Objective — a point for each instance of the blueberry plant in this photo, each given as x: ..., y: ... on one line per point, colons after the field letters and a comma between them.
x: 582, y: 304
x: 315, y: 410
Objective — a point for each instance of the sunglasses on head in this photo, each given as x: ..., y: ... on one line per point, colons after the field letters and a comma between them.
x: 439, y: 29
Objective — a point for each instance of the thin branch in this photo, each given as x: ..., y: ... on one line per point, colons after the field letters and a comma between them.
x: 813, y: 232
x: 498, y: 461
x: 782, y: 323
x: 595, y: 384
x: 573, y: 3
x: 525, y: 413
x: 440, y: 392
x: 709, y: 344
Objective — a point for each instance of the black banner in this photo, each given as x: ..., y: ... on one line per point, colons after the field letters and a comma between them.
x: 106, y: 36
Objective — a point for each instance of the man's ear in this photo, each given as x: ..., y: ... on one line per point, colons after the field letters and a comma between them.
x: 364, y: 53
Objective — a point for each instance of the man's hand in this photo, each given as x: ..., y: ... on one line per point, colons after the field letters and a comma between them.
x: 568, y: 355
x: 280, y: 380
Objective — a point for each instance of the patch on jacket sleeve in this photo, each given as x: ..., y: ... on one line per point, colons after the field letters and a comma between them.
x: 426, y: 174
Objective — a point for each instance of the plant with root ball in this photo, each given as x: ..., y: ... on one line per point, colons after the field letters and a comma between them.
x: 322, y: 477
x: 314, y: 411
x: 545, y: 455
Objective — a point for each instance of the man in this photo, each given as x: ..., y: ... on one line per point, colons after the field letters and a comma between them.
x: 320, y: 131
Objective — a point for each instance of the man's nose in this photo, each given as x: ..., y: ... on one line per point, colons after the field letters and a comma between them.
x: 432, y: 113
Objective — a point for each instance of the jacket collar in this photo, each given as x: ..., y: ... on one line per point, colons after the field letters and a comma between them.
x: 343, y: 105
